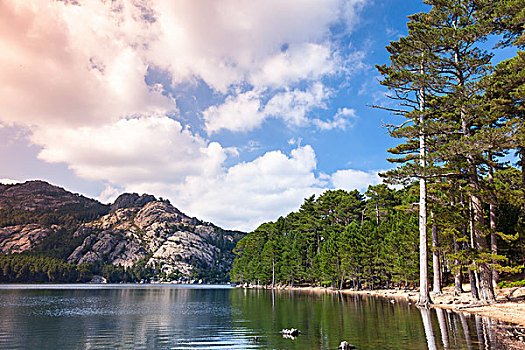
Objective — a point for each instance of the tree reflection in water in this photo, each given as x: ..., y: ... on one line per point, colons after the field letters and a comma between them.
x: 429, y: 330
x: 483, y: 338
x: 443, y: 328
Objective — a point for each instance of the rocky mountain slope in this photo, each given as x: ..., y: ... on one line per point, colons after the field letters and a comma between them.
x: 36, y: 217
x: 34, y: 196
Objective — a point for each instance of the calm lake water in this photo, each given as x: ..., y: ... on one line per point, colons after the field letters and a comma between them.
x: 211, y: 317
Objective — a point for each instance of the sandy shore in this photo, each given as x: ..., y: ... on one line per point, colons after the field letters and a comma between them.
x: 509, y: 305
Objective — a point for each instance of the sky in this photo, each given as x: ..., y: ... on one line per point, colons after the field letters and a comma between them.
x: 234, y: 110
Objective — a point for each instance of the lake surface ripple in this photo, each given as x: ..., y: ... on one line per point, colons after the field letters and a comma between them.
x: 219, y: 317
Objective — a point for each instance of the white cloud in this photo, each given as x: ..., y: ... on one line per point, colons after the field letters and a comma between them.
x: 293, y: 106
x: 350, y: 10
x: 84, y: 63
x: 295, y: 141
x: 239, y: 113
x: 153, y: 149
x: 9, y: 181
x: 245, y: 111
x: 230, y: 41
x: 341, y: 120
x: 350, y: 179
x: 73, y: 65
x: 249, y: 193
x: 109, y: 194
x: 306, y: 62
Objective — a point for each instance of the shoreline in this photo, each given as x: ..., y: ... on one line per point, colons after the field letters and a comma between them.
x: 509, y: 306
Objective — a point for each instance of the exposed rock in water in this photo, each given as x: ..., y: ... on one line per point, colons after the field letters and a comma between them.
x: 345, y: 346
x: 290, y: 333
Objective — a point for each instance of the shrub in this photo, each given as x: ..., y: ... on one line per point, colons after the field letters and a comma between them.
x: 507, y: 284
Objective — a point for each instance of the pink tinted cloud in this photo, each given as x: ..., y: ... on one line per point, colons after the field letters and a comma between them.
x: 53, y: 75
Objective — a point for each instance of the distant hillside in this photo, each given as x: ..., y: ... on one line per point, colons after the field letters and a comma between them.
x: 45, y: 204
x: 46, y: 230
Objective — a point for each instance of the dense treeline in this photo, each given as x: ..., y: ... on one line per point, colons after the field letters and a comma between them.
x: 339, y: 239
x: 66, y: 215
x: 32, y: 268
x: 461, y: 131
x: 346, y: 239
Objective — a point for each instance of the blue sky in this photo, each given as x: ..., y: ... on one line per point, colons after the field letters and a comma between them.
x: 234, y: 110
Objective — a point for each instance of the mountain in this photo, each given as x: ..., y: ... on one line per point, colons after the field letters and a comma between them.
x: 136, y: 237
x: 33, y: 196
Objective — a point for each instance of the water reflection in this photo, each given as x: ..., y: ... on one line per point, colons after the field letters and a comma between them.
x: 478, y: 331
x: 443, y: 328
x: 119, y: 318
x: 429, y: 330
x: 365, y: 321
x: 180, y: 318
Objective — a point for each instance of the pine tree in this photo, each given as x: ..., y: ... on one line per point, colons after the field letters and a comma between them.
x: 506, y: 93
x: 407, y: 78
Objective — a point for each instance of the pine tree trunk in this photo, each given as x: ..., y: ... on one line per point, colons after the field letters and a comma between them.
x: 458, y: 277
x: 273, y: 273
x: 473, y: 285
x: 492, y: 218
x: 471, y: 275
x: 477, y: 221
x: 318, y: 242
x: 436, y: 266
x: 485, y: 271
x: 487, y: 292
x: 424, y: 296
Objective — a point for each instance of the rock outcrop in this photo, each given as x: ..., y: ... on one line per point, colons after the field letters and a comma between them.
x: 130, y: 200
x: 108, y: 246
x: 174, y: 243
x: 19, y: 238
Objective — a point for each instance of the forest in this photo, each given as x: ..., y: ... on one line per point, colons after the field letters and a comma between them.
x: 452, y: 208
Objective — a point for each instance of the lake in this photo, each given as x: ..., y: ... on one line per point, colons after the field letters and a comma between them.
x: 219, y: 317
